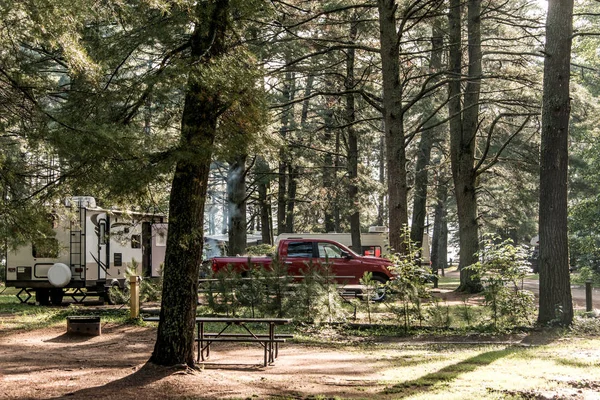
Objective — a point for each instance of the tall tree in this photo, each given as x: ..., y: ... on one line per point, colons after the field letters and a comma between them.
x: 202, y: 108
x: 236, y: 200
x: 555, y: 290
x: 464, y: 123
x: 393, y: 124
x: 428, y: 137
x: 353, y: 191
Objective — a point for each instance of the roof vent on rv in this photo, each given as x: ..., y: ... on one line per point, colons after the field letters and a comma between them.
x: 378, y: 229
x: 81, y: 201
x: 59, y: 275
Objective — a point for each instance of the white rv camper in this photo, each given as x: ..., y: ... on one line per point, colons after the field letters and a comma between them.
x: 90, y: 252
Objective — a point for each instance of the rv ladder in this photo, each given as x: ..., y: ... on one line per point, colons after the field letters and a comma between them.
x: 77, y: 243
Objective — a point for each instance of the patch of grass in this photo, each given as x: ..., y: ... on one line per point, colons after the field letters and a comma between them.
x: 493, y: 372
x: 585, y: 325
x: 17, y: 316
x: 446, y: 282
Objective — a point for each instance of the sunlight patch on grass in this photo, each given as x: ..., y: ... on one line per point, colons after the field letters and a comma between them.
x: 493, y: 372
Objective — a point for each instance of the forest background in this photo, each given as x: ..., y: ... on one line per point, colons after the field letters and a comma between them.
x: 237, y: 116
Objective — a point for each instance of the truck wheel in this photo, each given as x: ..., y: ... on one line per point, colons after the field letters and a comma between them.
x: 380, y: 288
x: 56, y: 296
x: 42, y: 296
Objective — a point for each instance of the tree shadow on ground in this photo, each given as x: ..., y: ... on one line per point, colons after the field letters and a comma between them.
x: 146, y: 375
x: 447, y: 374
x: 540, y: 337
x: 70, y: 338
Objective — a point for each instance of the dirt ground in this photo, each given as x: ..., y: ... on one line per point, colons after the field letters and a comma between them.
x: 51, y: 364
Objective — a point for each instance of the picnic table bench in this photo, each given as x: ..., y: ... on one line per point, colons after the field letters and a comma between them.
x: 269, y: 340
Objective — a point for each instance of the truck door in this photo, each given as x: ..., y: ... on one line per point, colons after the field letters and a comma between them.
x: 299, y: 256
x: 342, y: 264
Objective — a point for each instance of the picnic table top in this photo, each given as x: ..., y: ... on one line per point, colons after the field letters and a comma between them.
x: 233, y: 320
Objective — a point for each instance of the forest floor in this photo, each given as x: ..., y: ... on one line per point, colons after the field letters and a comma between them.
x: 51, y: 364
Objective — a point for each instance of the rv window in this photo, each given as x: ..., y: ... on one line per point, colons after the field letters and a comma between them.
x: 161, y: 238
x: 102, y: 232
x: 45, y: 248
x: 300, y: 249
x: 371, y: 251
x: 136, y: 241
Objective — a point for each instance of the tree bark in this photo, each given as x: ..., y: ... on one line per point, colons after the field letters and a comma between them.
x: 555, y: 291
x: 393, y: 125
x: 439, y: 242
x: 427, y: 139
x: 352, y: 143
x: 264, y: 200
x: 287, y: 115
x: 381, y: 214
x: 236, y: 200
x: 175, y: 337
x: 328, y: 173
x: 463, y: 130
x: 291, y: 197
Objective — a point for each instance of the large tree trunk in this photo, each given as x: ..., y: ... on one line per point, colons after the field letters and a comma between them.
x: 394, y: 128
x: 352, y: 144
x: 287, y: 115
x: 291, y: 197
x: 328, y: 173
x: 463, y: 130
x: 175, y: 337
x: 439, y: 242
x: 555, y: 291
x: 264, y: 200
x: 381, y: 214
x: 427, y: 139
x: 236, y: 200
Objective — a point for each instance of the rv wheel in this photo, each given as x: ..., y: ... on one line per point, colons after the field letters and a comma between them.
x: 116, y: 295
x: 56, y: 296
x: 42, y: 296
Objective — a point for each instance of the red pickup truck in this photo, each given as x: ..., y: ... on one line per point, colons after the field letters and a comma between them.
x: 296, y: 254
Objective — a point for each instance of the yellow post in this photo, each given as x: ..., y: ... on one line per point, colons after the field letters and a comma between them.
x: 135, y: 296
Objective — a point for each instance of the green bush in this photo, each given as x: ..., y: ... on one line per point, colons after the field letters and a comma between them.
x: 271, y: 292
x: 261, y: 250
x: 150, y: 289
x: 409, y: 285
x: 584, y: 274
x: 502, y: 268
x: 220, y: 290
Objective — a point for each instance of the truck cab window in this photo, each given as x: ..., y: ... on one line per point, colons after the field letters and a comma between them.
x: 329, y: 250
x: 300, y: 249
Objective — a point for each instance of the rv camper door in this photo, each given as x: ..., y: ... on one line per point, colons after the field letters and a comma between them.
x: 98, y: 239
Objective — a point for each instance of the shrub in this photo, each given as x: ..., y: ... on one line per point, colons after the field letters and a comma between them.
x: 316, y: 298
x: 260, y: 250
x: 584, y: 274
x: 220, y: 292
x: 409, y: 285
x: 502, y: 268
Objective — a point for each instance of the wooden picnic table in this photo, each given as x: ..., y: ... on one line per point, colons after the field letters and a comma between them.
x: 269, y: 340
